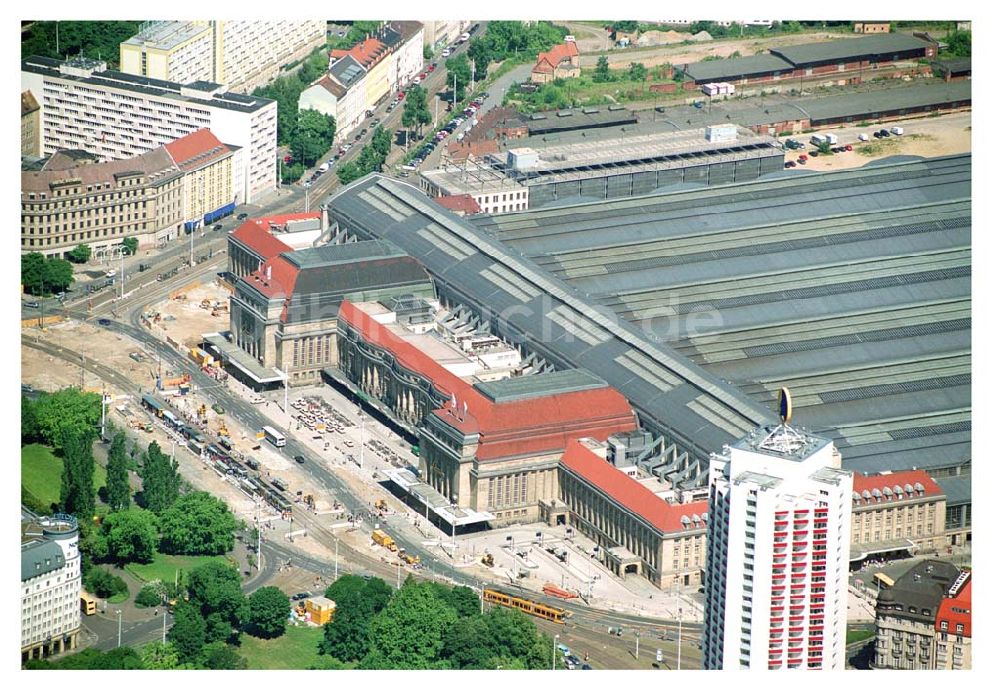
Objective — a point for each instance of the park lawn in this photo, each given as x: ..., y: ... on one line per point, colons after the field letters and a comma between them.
x: 41, y: 473
x: 858, y: 635
x: 296, y: 649
x: 164, y: 566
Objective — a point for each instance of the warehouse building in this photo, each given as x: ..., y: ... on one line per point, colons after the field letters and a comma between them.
x: 814, y: 59
x: 602, y: 163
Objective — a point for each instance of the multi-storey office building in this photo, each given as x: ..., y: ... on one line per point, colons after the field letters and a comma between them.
x: 50, y: 585
x: 73, y: 200
x: 779, y: 530
x: 924, y: 620
x: 240, y: 54
x: 114, y: 115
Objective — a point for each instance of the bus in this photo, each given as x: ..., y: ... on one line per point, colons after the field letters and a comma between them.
x: 88, y: 604
x: 273, y: 436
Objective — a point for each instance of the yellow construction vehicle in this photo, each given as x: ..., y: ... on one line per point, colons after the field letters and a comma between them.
x: 310, y: 502
x: 223, y: 430
x: 409, y: 558
x: 488, y: 560
x: 202, y: 411
x: 382, y: 506
x: 384, y: 540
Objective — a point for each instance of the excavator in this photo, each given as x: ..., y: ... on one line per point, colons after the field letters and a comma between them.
x: 488, y: 560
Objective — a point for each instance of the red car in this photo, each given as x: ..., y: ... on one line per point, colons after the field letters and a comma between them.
x: 803, y: 158
x: 849, y: 148
x: 288, y: 159
x: 431, y: 68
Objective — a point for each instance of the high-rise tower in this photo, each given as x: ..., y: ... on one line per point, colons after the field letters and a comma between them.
x: 778, y: 552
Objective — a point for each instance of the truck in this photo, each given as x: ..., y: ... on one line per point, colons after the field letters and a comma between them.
x: 384, y: 540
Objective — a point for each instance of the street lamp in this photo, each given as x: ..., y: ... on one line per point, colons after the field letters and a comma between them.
x: 554, y: 638
x: 119, y: 628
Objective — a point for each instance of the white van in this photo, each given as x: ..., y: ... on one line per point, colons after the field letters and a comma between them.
x: 324, y: 167
x: 896, y: 130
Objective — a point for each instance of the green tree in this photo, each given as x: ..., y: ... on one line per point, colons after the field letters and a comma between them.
x: 219, y: 656
x: 91, y: 659
x: 117, y: 487
x: 30, y: 430
x: 637, y: 71
x: 76, y: 493
x: 68, y: 409
x: 93, y: 39
x: 345, y: 637
x: 428, y: 52
x: 130, y: 245
x: 268, y: 611
x: 481, y: 56
x: 409, y: 633
x: 58, y: 275
x: 459, y: 73
x: 188, y: 632
x: 959, y: 43
x: 79, y: 254
x: 150, y: 595
x: 500, y: 638
x: 33, y: 273
x: 103, y: 584
x: 602, y: 74
x: 465, y: 601
x: 415, y: 111
x: 160, y: 656
x: 374, y: 593
x: 197, y: 524
x: 161, y: 482
x: 348, y: 173
x: 129, y: 536
x: 214, y: 588
x: 313, y: 136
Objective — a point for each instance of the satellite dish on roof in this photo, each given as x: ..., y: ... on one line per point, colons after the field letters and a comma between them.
x: 785, y: 405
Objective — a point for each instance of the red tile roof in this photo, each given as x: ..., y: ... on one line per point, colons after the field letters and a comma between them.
x: 559, y: 53
x: 337, y: 54
x: 282, y: 281
x: 901, y: 478
x: 535, y: 425
x: 368, y: 52
x: 629, y: 493
x: 957, y: 611
x: 201, y: 144
x: 464, y: 204
x: 255, y: 234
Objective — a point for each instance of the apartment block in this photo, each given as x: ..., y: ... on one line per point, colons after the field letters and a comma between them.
x: 777, y: 564
x: 240, y: 54
x: 30, y: 124
x: 114, y: 115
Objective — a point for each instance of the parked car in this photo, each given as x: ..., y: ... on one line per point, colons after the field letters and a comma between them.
x: 300, y: 596
x: 31, y: 305
x: 106, y: 322
x: 446, y: 53
x: 896, y: 130
x: 242, y: 217
x: 848, y: 148
x: 813, y: 153
x: 802, y: 162
x: 863, y: 137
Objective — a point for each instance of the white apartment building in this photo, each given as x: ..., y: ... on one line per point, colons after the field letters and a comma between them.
x: 239, y: 54
x: 440, y: 33
x: 776, y: 574
x: 114, y: 115
x: 50, y: 585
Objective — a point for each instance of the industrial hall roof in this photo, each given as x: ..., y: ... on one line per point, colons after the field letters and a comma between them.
x: 722, y: 69
x: 851, y: 49
x: 851, y: 288
x: 672, y: 394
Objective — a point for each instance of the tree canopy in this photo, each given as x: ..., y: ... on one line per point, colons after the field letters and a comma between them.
x: 76, y: 493
x: 69, y: 410
x: 409, y: 633
x: 459, y: 73
x: 161, y: 483
x: 188, y: 632
x: 268, y: 613
x: 93, y: 39
x: 40, y: 275
x: 197, y: 524
x: 214, y: 588
x: 117, y: 481
x: 79, y: 254
x: 129, y: 536
x: 959, y: 43
x: 313, y: 136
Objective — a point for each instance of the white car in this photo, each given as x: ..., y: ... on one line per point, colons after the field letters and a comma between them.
x: 863, y: 137
x: 446, y: 53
